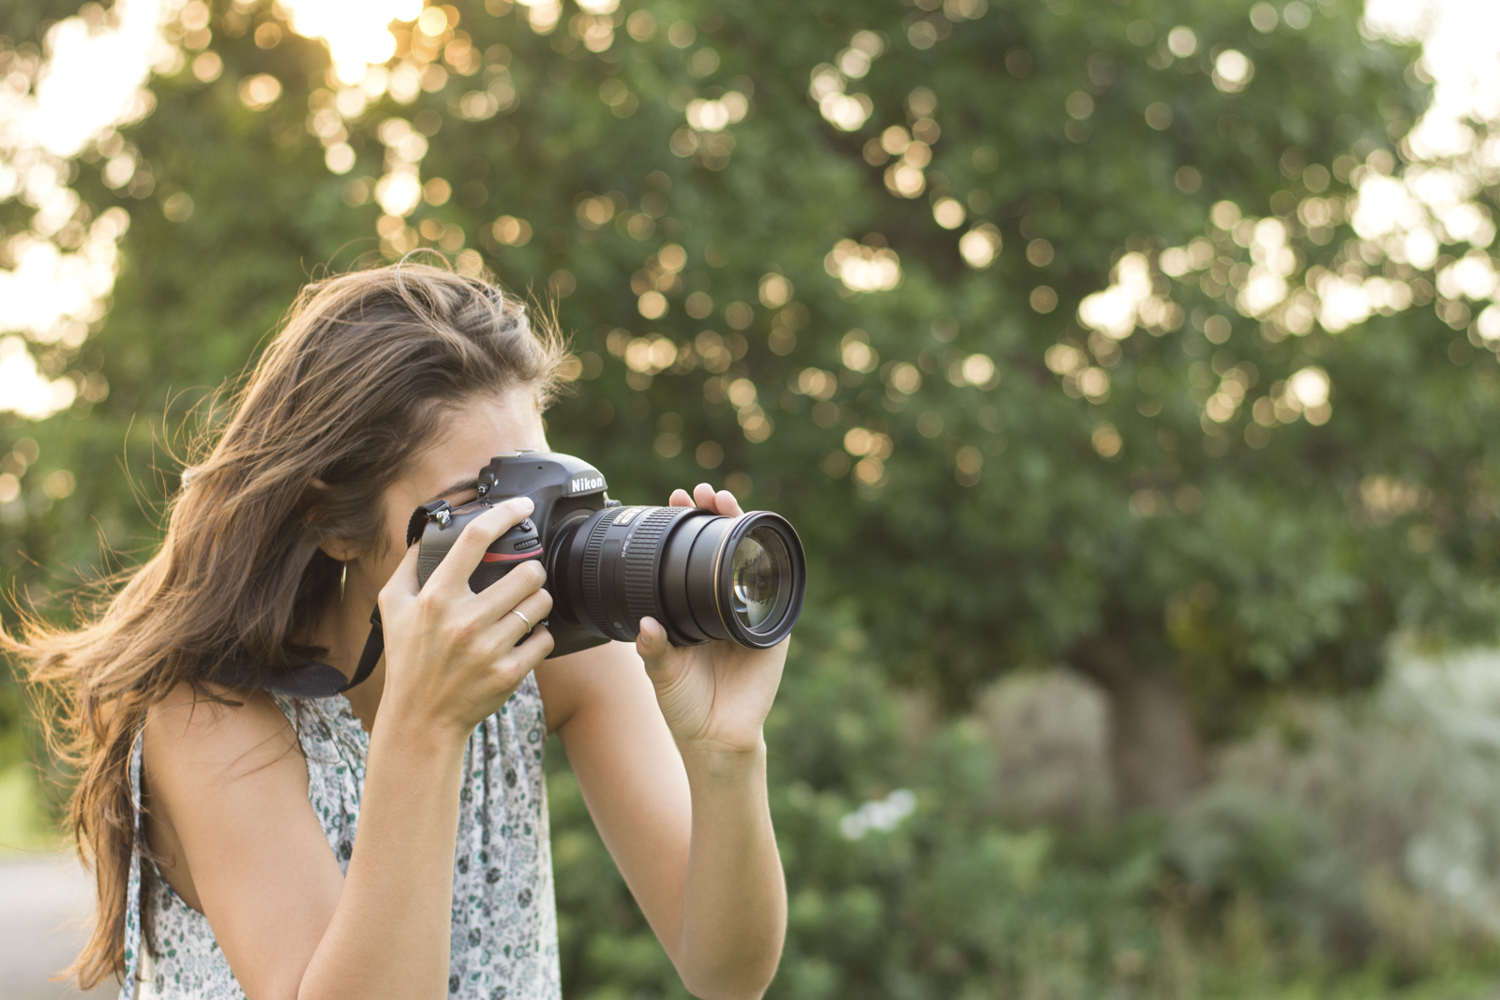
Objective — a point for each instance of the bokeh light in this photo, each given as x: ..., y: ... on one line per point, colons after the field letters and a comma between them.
x: 863, y: 268
x: 357, y: 34
x: 91, y: 82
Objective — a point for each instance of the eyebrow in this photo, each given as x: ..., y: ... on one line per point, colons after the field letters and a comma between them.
x: 458, y: 487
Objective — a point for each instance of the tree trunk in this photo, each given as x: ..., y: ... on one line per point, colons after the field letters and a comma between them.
x: 1155, y: 752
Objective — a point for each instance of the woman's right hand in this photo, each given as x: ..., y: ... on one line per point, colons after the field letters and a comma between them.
x: 453, y: 657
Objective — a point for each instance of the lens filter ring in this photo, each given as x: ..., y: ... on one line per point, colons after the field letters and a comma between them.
x: 760, y: 579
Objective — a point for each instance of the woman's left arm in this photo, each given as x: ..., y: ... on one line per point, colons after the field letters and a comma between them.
x: 672, y: 765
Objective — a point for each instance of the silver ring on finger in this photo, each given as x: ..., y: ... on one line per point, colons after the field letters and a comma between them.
x: 519, y: 615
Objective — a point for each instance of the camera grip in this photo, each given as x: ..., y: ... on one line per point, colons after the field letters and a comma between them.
x: 522, y: 543
x: 487, y: 573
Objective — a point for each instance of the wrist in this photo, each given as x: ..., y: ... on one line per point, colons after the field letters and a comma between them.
x: 710, y: 757
x: 423, y: 738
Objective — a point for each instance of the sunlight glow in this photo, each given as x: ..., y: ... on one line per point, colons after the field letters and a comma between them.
x: 844, y: 111
x: 56, y: 274
x: 1129, y: 301
x: 1408, y: 217
x: 61, y: 270
x: 93, y: 77
x: 357, y: 32
x: 863, y: 268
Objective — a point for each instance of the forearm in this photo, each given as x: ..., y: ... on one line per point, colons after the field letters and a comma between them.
x: 734, y: 907
x: 390, y: 934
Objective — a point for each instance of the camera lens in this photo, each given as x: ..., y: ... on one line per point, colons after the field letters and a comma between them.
x: 761, y: 573
x: 701, y: 575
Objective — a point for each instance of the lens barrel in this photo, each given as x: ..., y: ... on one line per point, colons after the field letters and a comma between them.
x: 702, y: 575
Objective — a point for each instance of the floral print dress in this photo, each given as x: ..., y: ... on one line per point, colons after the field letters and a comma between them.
x: 504, y: 916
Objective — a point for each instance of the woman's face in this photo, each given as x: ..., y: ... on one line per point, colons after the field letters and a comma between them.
x: 469, y: 435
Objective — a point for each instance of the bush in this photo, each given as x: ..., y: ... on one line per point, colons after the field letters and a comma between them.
x: 1322, y: 858
x: 1370, y: 828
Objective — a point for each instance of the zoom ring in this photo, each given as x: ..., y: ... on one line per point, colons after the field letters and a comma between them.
x: 642, y: 593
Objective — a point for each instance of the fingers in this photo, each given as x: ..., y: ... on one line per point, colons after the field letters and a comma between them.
x: 727, y: 504
x: 704, y: 496
x: 521, y: 650
x: 509, y: 664
x: 467, y: 550
x: 511, y: 589
x: 512, y: 644
x: 652, y: 644
x: 524, y: 616
x: 533, y: 650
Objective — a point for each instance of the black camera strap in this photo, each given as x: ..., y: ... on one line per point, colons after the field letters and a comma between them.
x: 319, y: 680
x: 374, y: 647
x: 375, y: 644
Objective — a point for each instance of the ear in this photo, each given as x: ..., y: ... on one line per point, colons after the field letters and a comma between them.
x: 337, y: 549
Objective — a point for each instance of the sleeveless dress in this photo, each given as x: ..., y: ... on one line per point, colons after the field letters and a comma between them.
x: 504, y: 915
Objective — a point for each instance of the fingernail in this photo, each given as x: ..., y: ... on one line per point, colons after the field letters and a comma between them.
x: 524, y: 504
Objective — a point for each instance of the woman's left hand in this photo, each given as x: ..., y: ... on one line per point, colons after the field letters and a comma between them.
x: 714, y: 696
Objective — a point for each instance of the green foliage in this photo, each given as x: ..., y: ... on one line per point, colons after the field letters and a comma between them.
x: 1285, y: 877
x: 1262, y: 578
x: 1369, y: 826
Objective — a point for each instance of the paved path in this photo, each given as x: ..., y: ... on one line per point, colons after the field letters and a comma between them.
x: 46, y: 906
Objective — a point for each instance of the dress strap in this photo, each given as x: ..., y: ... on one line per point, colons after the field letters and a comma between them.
x: 134, y: 939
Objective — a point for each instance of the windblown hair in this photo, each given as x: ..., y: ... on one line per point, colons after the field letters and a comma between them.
x: 365, y: 366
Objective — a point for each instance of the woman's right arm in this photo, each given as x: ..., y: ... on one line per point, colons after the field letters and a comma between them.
x: 233, y: 789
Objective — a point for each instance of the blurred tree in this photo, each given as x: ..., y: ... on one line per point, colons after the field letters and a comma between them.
x: 834, y: 254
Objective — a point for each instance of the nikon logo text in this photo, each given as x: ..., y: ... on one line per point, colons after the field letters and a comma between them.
x: 586, y: 484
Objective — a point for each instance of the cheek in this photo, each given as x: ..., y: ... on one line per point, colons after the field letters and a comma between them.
x: 387, y: 566
x: 393, y: 550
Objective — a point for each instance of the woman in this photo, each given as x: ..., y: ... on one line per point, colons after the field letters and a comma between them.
x: 392, y: 841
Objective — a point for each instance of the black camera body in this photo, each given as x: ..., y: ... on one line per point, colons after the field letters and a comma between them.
x: 701, y: 575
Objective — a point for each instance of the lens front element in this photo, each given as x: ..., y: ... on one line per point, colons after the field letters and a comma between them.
x: 761, y: 573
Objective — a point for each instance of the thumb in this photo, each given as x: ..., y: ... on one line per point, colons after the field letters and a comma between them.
x: 652, y: 643
x: 664, y: 669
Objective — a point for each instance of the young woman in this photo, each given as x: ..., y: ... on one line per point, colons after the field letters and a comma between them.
x: 392, y: 842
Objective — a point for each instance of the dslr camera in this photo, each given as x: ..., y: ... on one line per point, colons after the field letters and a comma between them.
x: 701, y: 575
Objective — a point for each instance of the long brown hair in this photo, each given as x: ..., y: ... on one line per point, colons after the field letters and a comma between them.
x: 365, y: 365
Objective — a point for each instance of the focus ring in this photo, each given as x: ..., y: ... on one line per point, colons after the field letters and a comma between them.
x: 593, y: 550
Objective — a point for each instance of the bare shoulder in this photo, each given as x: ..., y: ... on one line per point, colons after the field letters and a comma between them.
x: 211, y: 733
x: 233, y: 832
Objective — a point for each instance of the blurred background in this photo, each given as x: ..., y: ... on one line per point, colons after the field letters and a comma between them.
x: 1127, y: 366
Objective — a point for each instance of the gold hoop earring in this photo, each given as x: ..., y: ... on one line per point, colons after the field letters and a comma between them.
x: 343, y: 580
